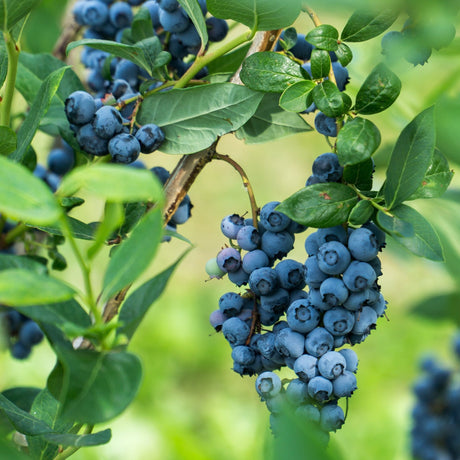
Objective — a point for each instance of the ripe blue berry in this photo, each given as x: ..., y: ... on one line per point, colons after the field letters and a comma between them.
x: 254, y: 259
x: 338, y: 321
x: 302, y: 316
x: 174, y: 21
x: 124, y: 148
x: 228, y: 260
x: 344, y: 385
x: 235, y: 331
x: 333, y: 291
x: 320, y: 388
x: 313, y: 275
x: 60, y: 161
x: 291, y: 274
x: 318, y: 342
x: 30, y: 333
x: 327, y: 168
x: 90, y: 142
x: 150, y: 137
x: 107, y: 122
x: 359, y: 276
x: 120, y: 15
x: 332, y: 417
x: 351, y: 359
x: 263, y: 281
x: 277, y: 302
x: 289, y: 343
x: 248, y: 238
x: 80, y: 107
x: 331, y: 364
x: 363, y: 245
x: 268, y: 385
x: 94, y: 13
x: 231, y: 304
x: 168, y: 5
x: 217, y: 29
x: 277, y: 245
x: 231, y: 225
x: 325, y: 125
x: 305, y: 366
x: 333, y: 258
x: 272, y: 220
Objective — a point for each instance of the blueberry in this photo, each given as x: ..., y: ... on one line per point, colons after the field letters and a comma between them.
x: 325, y: 125
x: 231, y: 225
x: 90, y: 142
x: 20, y: 350
x: 276, y: 302
x: 94, y: 13
x: 291, y: 274
x: 263, y: 281
x: 229, y: 260
x: 80, y: 107
x: 120, y: 15
x: 231, y: 304
x: 313, y: 275
x: 235, y: 331
x: 378, y: 233
x: 161, y: 173
x: 297, y: 392
x: 53, y: 180
x: 217, y: 319
x: 238, y: 277
x: 13, y: 321
x: 248, y: 238
x: 277, y: 245
x: 302, y: 316
x: 96, y: 81
x: 363, y: 245
x: 128, y: 71
x: 189, y: 37
x: 332, y: 417
x: 243, y: 355
x: 124, y: 148
x: 359, y: 276
x: 305, y: 367
x: 312, y: 180
x: 127, y: 109
x: 266, y: 347
x: 320, y: 389
x: 327, y: 168
x: 331, y: 364
x: 60, y: 161
x: 344, y: 385
x: 333, y: 258
x: 317, y: 301
x: 203, y: 6
x: 365, y: 320
x: 357, y: 300
x: 175, y: 21
x: 154, y: 10
x: 107, y: 122
x: 351, y: 359
x: 311, y: 244
x: 337, y: 233
x: 40, y: 172
x: 318, y: 342
x: 341, y: 75
x: 289, y: 343
x: 308, y: 412
x: 183, y: 212
x: 268, y: 385
x: 302, y: 49
x: 333, y: 291
x: 297, y: 294
x: 254, y: 259
x: 272, y: 220
x: 338, y: 321
x: 177, y: 49
x: 168, y: 5
x: 30, y: 333
x: 217, y: 29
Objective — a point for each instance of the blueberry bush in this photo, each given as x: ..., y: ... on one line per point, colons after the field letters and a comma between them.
x: 111, y: 118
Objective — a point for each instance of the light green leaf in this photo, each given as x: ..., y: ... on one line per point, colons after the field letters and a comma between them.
x: 294, y: 98
x: 8, y: 141
x: 395, y: 226
x: 364, y: 25
x: 12, y: 11
x: 324, y: 37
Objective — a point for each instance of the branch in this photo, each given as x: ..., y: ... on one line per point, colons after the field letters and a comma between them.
x: 70, y: 29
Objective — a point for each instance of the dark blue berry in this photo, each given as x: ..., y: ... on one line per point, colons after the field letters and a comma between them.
x: 124, y: 148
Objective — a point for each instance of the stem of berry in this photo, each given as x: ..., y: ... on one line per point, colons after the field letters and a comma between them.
x: 246, y: 183
x: 13, y: 58
x: 371, y: 200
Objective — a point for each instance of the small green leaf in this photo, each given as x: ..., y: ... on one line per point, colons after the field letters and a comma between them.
x: 271, y: 122
x: 395, y: 226
x: 79, y: 229
x: 330, y: 100
x: 364, y: 25
x: 134, y: 255
x: 380, y: 89
x: 440, y: 307
x: 320, y: 205
x: 193, y: 118
x: 94, y: 386
x: 320, y: 63
x: 324, y: 37
x: 194, y: 12
x: 361, y: 213
x: 357, y: 141
x: 113, y: 182
x: 22, y: 397
x: 257, y: 14
x: 79, y: 440
x: 12, y: 11
x: 8, y: 261
x: 425, y: 241
x: 344, y: 54
x: 133, y: 213
x: 360, y: 174
x: 289, y: 38
x: 270, y: 72
x: 437, y: 178
x: 294, y: 97
x: 24, y: 196
x: 8, y: 141
x: 20, y: 287
x: 141, y: 26
x: 410, y: 159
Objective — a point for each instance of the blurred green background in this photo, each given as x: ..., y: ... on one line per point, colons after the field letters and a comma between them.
x: 191, y: 405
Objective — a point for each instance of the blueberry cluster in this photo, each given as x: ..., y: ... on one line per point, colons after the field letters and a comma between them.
x: 20, y: 333
x: 106, y: 129
x: 436, y: 415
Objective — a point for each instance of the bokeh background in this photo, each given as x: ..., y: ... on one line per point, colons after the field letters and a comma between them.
x: 191, y: 405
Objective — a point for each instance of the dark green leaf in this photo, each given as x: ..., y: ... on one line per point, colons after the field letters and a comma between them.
x: 380, y: 89
x: 80, y: 230
x: 330, y: 100
x: 259, y: 14
x: 425, y: 242
x: 134, y: 255
x: 138, y: 303
x: 193, y: 118
x: 96, y: 387
x: 271, y: 122
x: 229, y: 62
x: 344, y: 54
x: 395, y: 226
x: 22, y: 397
x: 8, y: 142
x: 320, y: 205
x: 12, y: 11
x: 39, y: 108
x: 320, y: 63
x: 8, y: 261
x: 410, y: 159
x: 142, y: 26
x: 79, y: 440
x: 364, y: 25
x: 324, y: 37
x: 70, y: 202
x: 294, y: 97
x: 194, y: 12
x: 133, y: 213
x: 9, y: 450
x: 357, y: 141
x: 360, y: 174
x: 24, y: 196
x: 361, y: 213
x: 437, y: 178
x: 441, y: 307
x: 270, y: 72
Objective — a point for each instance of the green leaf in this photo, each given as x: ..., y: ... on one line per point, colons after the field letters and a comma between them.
x: 24, y: 196
x: 79, y: 440
x: 229, y: 62
x: 324, y: 37
x: 330, y: 100
x: 20, y: 287
x: 96, y: 386
x: 134, y: 255
x: 289, y: 38
x: 437, y: 178
x: 440, y: 307
x: 12, y: 11
x: 8, y: 141
x: 271, y: 122
x: 22, y: 397
x: 361, y: 213
x: 9, y: 450
x: 8, y: 261
x: 344, y: 54
x: 113, y: 182
x: 425, y: 242
x: 394, y: 225
x: 364, y: 25
x: 294, y: 97
x: 357, y: 141
x: 193, y: 118
x: 410, y: 159
x: 141, y: 26
x: 133, y: 213
x: 257, y: 14
x: 320, y: 205
x: 271, y: 72
x: 135, y: 307
x: 3, y: 60
x: 39, y: 108
x: 360, y: 174
x: 380, y: 89
x: 194, y: 12
x: 320, y: 63
x: 80, y: 230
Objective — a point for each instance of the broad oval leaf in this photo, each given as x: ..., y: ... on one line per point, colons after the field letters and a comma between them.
x: 270, y: 72
x: 294, y: 97
x: 257, y: 14
x: 196, y: 15
x: 320, y: 63
x: 134, y: 254
x: 360, y: 174
x: 344, y: 54
x: 395, y: 226
x: 330, y: 100
x: 380, y: 89
x: 113, y: 182
x: 79, y: 229
x: 24, y: 196
x: 20, y: 287
x: 364, y: 25
x: 357, y: 141
x: 320, y: 205
x: 324, y: 37
x: 410, y: 159
x: 361, y: 213
x: 12, y: 11
x: 193, y: 118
